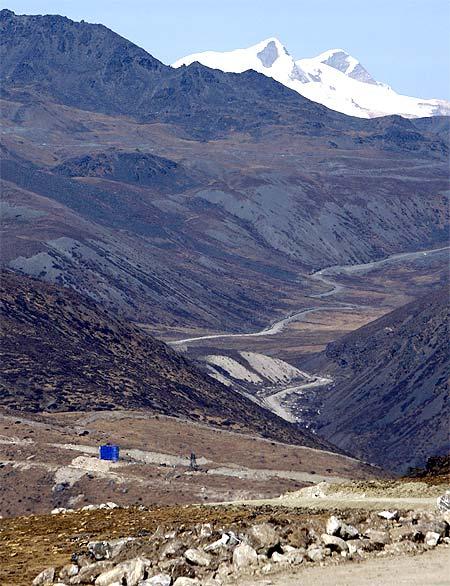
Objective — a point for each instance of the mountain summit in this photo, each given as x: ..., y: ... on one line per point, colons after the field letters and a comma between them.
x: 334, y: 78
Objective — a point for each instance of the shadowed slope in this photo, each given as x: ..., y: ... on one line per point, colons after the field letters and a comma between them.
x: 61, y: 352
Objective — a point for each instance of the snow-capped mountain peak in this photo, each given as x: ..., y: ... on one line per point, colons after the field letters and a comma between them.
x: 334, y: 78
x: 269, y: 57
x: 342, y: 61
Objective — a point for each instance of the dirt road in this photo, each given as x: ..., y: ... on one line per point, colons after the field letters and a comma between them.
x: 430, y: 569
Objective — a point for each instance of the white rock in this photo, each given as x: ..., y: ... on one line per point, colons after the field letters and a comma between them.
x: 45, y: 577
x: 198, y: 557
x: 108, y: 549
x: 244, y: 556
x: 432, y: 538
x: 315, y: 554
x: 132, y: 571
x: 334, y: 542
x: 333, y: 525
x: 182, y: 581
x: 206, y: 530
x: 227, y: 540
x: 389, y: 515
x: 68, y: 571
x: 263, y: 536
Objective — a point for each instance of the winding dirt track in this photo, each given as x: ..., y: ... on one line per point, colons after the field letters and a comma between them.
x: 324, y: 276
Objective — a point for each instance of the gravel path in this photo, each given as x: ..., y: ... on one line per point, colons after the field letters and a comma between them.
x: 430, y: 569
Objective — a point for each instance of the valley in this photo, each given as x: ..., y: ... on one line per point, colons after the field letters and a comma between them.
x: 425, y: 270
x: 214, y: 271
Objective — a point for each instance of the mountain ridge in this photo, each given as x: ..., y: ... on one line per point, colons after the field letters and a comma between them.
x: 390, y: 400
x: 334, y: 78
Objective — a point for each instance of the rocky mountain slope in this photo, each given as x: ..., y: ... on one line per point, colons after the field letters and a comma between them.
x: 333, y: 78
x: 191, y: 197
x: 61, y: 352
x: 390, y: 402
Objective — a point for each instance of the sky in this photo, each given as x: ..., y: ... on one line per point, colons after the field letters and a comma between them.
x: 404, y: 43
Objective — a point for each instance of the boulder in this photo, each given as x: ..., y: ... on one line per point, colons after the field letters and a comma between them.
x: 198, y: 557
x: 406, y: 533
x: 299, y: 537
x: 443, y: 502
x: 433, y: 526
x: 432, y: 538
x: 333, y: 525
x: 45, y: 577
x: 243, y: 556
x: 378, y: 536
x: 263, y: 537
x: 337, y: 527
x: 87, y: 574
x: 182, y: 581
x: 172, y: 548
x: 68, y: 571
x: 228, y: 539
x: 334, y: 543
x: 107, y: 549
x: 315, y: 554
x: 132, y: 572
x: 292, y: 557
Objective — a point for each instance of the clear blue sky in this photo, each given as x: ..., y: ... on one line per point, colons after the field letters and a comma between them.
x: 405, y: 43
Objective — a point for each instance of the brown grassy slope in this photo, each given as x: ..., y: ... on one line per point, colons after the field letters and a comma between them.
x: 61, y: 352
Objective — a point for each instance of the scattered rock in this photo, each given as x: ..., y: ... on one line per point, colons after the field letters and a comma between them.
x: 406, y: 533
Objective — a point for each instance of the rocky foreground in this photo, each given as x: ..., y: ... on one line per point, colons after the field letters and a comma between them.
x: 234, y: 544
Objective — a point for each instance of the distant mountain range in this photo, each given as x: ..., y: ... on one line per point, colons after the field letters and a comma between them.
x: 191, y: 197
x: 333, y: 78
